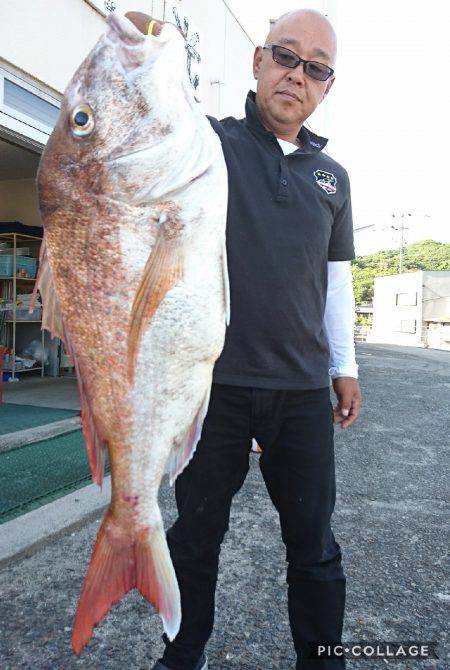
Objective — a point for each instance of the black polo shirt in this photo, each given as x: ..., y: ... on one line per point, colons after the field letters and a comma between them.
x: 287, y: 216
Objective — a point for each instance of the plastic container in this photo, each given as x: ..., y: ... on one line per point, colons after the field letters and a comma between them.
x: 22, y: 314
x: 22, y: 263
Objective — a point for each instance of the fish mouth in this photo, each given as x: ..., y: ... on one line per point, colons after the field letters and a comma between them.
x: 133, y: 48
x: 125, y: 29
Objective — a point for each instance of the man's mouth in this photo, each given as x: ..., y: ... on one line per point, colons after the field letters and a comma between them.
x: 289, y: 94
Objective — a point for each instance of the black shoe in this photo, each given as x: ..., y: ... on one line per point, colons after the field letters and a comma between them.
x: 201, y: 665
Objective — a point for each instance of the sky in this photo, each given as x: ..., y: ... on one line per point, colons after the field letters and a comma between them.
x: 387, y: 116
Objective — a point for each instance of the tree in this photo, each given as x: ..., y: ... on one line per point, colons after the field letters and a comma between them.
x: 423, y: 255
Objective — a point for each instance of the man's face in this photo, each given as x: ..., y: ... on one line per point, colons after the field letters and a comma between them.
x: 287, y: 97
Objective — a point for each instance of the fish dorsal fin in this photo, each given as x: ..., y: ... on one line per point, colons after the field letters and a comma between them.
x: 52, y: 321
x: 51, y: 308
x: 164, y: 269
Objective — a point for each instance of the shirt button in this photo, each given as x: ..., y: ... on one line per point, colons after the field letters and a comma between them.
x: 284, y: 182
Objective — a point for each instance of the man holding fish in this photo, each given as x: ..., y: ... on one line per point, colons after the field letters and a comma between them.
x: 135, y: 182
x: 289, y: 225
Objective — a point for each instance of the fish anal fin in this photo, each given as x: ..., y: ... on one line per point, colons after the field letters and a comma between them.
x: 182, y: 454
x: 163, y: 270
x: 118, y: 566
x: 51, y: 308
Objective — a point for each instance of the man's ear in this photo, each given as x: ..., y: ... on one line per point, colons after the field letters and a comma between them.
x: 329, y: 85
x: 257, y: 58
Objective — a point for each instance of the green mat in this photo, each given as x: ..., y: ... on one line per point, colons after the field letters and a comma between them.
x: 35, y: 474
x: 19, y: 417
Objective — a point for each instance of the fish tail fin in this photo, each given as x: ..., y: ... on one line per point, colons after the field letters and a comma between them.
x: 115, y: 569
x: 156, y: 579
x: 111, y: 574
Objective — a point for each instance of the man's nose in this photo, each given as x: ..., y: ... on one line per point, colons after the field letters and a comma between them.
x: 297, y: 75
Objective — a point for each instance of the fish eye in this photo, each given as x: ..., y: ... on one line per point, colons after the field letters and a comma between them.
x: 82, y: 121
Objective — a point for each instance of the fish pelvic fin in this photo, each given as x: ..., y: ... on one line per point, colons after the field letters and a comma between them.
x: 182, y: 454
x: 118, y: 565
x: 163, y: 270
x: 51, y: 308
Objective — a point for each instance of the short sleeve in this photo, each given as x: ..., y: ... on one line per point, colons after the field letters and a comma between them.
x: 341, y: 245
x: 216, y: 125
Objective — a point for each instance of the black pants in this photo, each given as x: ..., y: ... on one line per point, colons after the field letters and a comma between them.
x: 295, y: 431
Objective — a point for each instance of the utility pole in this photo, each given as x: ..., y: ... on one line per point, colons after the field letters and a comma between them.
x: 402, y: 229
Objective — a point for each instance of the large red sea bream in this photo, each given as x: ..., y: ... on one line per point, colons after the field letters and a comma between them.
x: 133, y: 195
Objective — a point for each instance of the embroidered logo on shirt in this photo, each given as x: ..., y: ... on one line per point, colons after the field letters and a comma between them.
x: 326, y: 180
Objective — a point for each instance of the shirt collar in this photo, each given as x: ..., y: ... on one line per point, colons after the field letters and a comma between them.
x: 310, y: 142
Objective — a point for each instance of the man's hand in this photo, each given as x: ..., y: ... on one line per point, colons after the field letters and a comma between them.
x: 142, y: 21
x: 348, y: 394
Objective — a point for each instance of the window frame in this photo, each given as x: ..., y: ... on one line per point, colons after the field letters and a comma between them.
x: 15, y: 115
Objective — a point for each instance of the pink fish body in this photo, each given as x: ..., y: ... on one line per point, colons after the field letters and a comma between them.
x: 133, y: 277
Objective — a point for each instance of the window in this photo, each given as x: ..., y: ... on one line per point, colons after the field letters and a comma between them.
x: 406, y: 326
x: 406, y: 298
x: 22, y: 102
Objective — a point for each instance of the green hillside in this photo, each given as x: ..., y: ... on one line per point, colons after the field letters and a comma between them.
x: 423, y: 255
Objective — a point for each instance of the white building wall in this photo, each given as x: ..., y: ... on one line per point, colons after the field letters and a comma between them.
x: 46, y: 40
x: 391, y: 320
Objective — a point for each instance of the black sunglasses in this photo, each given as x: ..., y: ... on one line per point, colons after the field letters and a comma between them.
x: 288, y: 58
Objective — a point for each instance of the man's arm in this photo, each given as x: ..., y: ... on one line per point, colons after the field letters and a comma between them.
x: 339, y: 320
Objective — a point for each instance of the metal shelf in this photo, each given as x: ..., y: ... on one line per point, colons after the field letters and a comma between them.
x: 10, y: 292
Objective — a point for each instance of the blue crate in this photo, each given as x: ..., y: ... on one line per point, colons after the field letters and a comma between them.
x: 6, y: 265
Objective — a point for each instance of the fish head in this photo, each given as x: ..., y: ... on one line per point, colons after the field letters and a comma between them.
x: 130, y: 96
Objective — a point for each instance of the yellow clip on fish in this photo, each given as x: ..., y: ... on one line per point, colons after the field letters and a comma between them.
x: 150, y: 27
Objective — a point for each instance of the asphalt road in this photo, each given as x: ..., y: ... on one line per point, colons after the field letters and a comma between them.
x: 389, y: 520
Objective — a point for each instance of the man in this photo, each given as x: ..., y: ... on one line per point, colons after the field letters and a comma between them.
x: 289, y: 243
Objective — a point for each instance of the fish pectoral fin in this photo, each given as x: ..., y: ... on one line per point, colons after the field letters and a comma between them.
x: 181, y: 455
x: 163, y: 270
x: 116, y: 568
x: 51, y: 308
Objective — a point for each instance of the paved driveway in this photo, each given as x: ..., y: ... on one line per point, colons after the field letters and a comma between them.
x: 390, y: 521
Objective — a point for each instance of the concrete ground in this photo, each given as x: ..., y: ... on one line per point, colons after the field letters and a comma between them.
x: 58, y: 392
x: 390, y: 521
